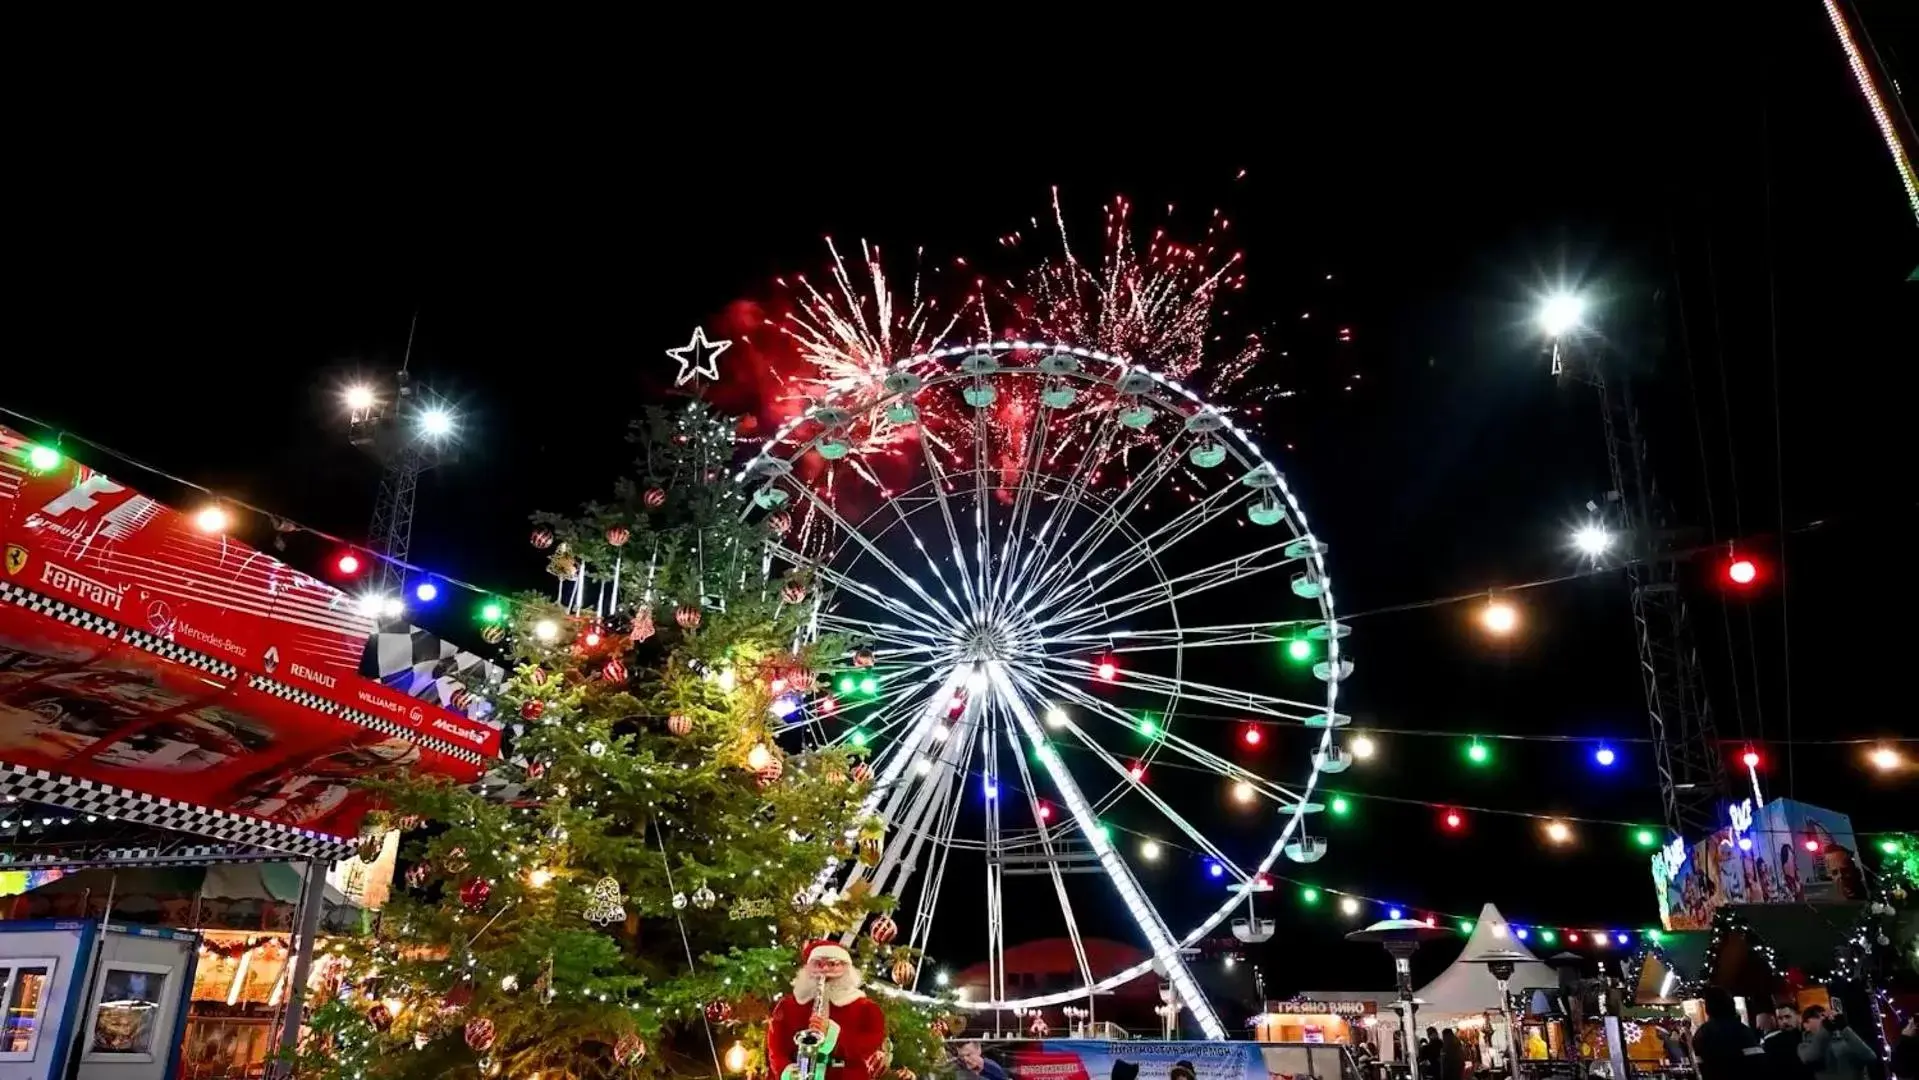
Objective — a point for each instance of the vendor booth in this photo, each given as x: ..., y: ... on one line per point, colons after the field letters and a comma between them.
x: 185, y: 725
x: 94, y: 1002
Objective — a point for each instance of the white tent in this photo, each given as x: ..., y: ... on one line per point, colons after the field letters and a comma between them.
x: 1467, y: 987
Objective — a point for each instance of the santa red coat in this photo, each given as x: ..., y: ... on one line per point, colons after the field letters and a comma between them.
x: 862, y: 1034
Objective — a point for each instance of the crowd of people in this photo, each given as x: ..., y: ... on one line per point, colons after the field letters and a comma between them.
x: 1788, y: 1044
x: 1444, y: 1056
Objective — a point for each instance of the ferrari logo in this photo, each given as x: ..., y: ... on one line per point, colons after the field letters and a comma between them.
x: 16, y: 559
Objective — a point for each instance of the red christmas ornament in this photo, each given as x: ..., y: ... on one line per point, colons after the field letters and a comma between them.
x: 862, y: 773
x: 778, y: 522
x: 536, y: 675
x: 410, y: 822
x: 474, y: 893
x: 618, y: 535
x: 688, y: 616
x: 883, y: 930
x: 718, y: 1012
x: 630, y: 1050
x: 642, y: 627
x: 532, y: 709
x: 479, y: 1034
x: 614, y: 671
x: 380, y: 1016
x: 941, y: 1029
x: 679, y: 724
x: 793, y: 592
x: 542, y: 538
x: 769, y: 773
x: 460, y: 698
x: 654, y: 498
x: 535, y: 770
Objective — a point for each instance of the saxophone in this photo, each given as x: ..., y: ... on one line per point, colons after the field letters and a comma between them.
x: 814, y: 1047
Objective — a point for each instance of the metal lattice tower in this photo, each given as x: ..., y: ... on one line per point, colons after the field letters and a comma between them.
x: 390, y: 429
x: 1686, y: 752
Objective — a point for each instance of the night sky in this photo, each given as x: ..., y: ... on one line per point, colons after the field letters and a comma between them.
x: 196, y: 280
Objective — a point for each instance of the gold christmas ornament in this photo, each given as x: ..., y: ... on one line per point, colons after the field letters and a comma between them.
x: 605, y: 905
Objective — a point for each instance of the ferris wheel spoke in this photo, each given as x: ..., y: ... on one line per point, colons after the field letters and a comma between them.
x: 882, y: 713
x: 1182, y: 637
x: 859, y: 538
x: 1144, y: 550
x: 1080, y: 619
x: 982, y: 516
x: 939, y: 482
x: 840, y: 580
x: 1117, y: 513
x: 901, y: 637
x: 1160, y: 939
x: 918, y: 545
x: 1201, y: 756
x: 1030, y: 457
x: 1069, y: 498
x: 1207, y: 693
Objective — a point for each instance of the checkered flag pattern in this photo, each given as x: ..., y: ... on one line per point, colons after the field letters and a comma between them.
x: 419, y: 664
x: 17, y: 782
x: 66, y: 613
x: 365, y: 719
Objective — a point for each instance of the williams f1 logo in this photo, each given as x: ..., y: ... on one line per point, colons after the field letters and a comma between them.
x: 16, y: 559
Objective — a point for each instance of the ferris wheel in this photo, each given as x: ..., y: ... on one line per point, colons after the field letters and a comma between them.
x: 1060, y: 579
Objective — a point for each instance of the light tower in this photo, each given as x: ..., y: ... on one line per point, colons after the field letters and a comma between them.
x: 408, y: 431
x: 1686, y: 753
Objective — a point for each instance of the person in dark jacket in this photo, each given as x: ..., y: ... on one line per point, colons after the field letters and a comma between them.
x: 1725, y: 1048
x: 1429, y: 1054
x: 1833, y: 1049
x: 1782, y: 1047
x: 1452, y: 1056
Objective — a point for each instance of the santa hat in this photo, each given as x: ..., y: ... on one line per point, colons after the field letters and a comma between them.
x: 825, y: 950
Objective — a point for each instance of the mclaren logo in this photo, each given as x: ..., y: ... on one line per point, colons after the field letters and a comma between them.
x: 16, y: 559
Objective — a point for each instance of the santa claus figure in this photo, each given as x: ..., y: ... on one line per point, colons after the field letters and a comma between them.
x: 827, y: 1004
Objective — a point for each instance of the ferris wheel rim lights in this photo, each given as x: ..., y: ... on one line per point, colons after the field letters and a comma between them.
x: 774, y: 461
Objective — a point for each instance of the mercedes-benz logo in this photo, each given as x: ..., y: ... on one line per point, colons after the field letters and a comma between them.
x: 160, y: 618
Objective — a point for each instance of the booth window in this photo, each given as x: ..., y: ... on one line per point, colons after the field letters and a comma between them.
x: 23, y: 989
x: 128, y: 1012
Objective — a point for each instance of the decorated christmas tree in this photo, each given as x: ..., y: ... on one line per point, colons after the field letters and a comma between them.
x: 629, y: 895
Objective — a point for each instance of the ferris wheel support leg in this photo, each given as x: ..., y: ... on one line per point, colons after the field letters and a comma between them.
x: 895, y: 761
x: 897, y: 866
x: 1165, y: 948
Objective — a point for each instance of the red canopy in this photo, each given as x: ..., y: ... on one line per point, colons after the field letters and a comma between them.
x: 141, y: 656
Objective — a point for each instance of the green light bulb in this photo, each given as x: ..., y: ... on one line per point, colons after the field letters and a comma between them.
x: 858, y: 738
x: 1548, y: 937
x: 1299, y: 649
x: 847, y: 684
x: 1646, y: 838
x: 1655, y: 935
x: 869, y: 686
x: 1340, y: 805
x: 1309, y: 894
x: 1477, y: 753
x: 492, y: 612
x: 1890, y: 847
x: 1147, y: 727
x: 43, y: 458
x: 1465, y: 926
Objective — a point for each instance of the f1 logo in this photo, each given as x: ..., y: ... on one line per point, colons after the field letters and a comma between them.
x: 82, y: 496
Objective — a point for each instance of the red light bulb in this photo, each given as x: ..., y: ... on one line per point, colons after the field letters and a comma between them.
x: 1045, y: 812
x: 592, y: 639
x: 1751, y: 758
x: 1742, y: 571
x: 1572, y: 936
x: 1812, y: 844
x: 348, y: 563
x: 1453, y: 819
x: 1108, y: 670
x: 1137, y: 772
x: 1252, y: 735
